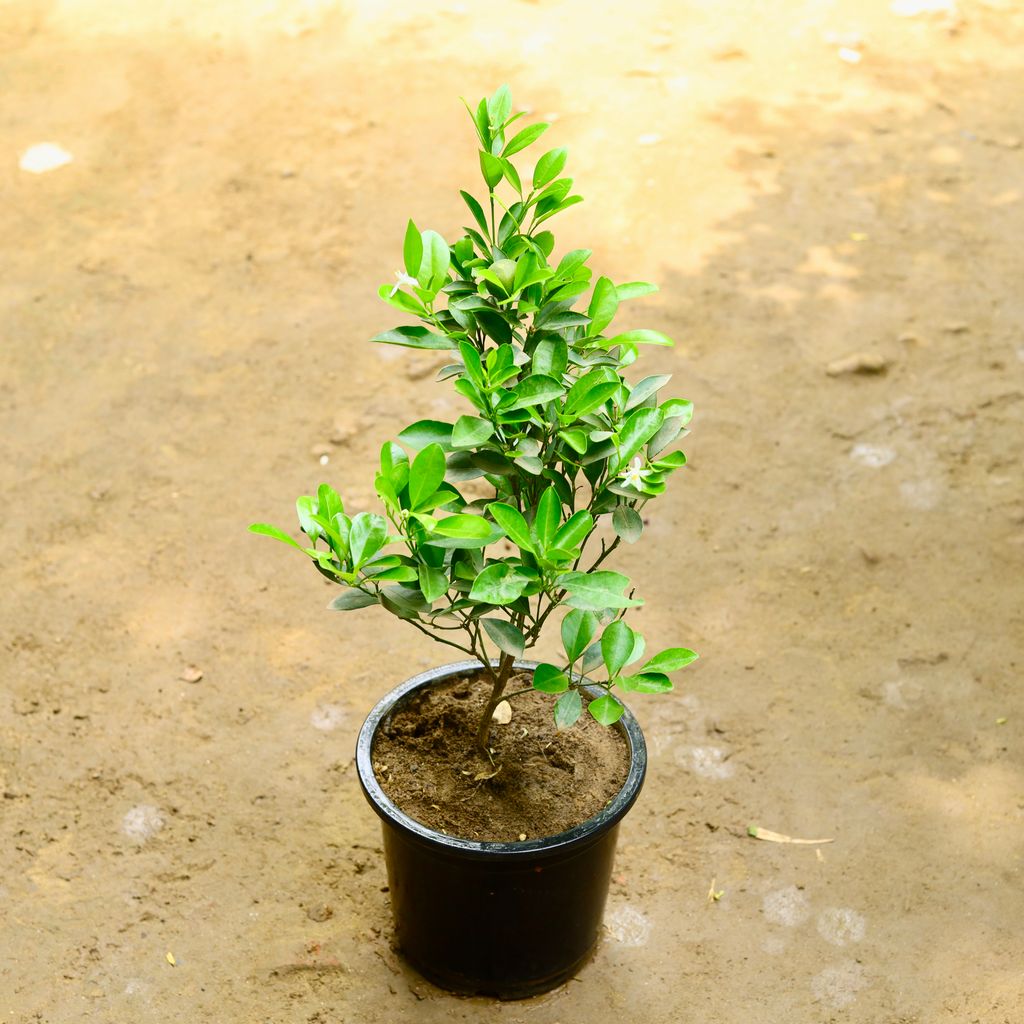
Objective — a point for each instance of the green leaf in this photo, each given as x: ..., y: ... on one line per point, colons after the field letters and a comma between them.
x: 491, y: 168
x: 413, y: 337
x: 477, y: 210
x: 550, y: 358
x: 512, y: 522
x: 591, y: 658
x: 470, y: 431
x: 535, y: 390
x: 438, y: 541
x: 645, y: 388
x: 368, y: 535
x: 266, y: 530
x: 463, y: 526
x: 525, y: 138
x: 607, y: 709
x: 641, y: 338
x: 646, y: 682
x: 404, y: 602
x: 433, y: 271
x: 425, y: 475
x: 423, y: 432
x: 640, y: 426
x: 498, y: 584
x: 506, y: 636
x: 499, y: 106
x: 471, y: 361
x: 433, y: 583
x: 549, y: 679
x: 627, y: 523
x: 549, y: 167
x: 671, y: 660
x: 578, y: 629
x: 305, y: 508
x: 412, y: 251
x: 549, y: 513
x: 571, y: 534
x: 328, y: 504
x: 603, y: 305
x: 401, y: 300
x: 597, y: 591
x: 576, y: 439
x: 616, y: 646
x: 568, y: 709
x: 634, y: 289
x: 352, y: 599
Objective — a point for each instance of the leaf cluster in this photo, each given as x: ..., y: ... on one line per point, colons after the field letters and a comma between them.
x: 555, y: 435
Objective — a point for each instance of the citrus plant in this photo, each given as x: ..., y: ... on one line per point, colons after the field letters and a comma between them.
x: 561, y: 441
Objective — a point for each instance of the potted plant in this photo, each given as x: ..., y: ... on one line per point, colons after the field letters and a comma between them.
x: 491, y: 525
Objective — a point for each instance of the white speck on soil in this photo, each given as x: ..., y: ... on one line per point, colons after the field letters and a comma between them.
x: 46, y: 156
x: 872, y: 455
x: 327, y: 717
x: 841, y: 925
x: 627, y: 925
x: 788, y: 906
x: 901, y: 693
x: 921, y: 494
x: 142, y: 823
x: 838, y: 986
x: 708, y: 762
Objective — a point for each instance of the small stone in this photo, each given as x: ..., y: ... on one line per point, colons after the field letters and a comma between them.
x: 191, y: 674
x: 522, y: 837
x: 320, y: 912
x: 503, y: 713
x: 860, y: 362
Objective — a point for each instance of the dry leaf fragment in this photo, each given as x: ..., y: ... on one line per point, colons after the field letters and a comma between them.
x: 503, y: 713
x: 777, y: 837
x: 170, y: 959
x: 484, y: 776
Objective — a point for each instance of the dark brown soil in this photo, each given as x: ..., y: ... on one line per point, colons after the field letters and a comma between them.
x: 546, y: 781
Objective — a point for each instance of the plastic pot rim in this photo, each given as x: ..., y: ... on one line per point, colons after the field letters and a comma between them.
x: 390, y: 813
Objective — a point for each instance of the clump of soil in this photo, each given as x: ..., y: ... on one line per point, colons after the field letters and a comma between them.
x: 547, y: 781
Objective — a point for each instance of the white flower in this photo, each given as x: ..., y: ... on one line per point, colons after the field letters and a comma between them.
x: 402, y: 279
x: 633, y: 475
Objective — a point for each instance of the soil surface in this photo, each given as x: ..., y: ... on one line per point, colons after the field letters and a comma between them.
x: 538, y: 782
x: 831, y: 195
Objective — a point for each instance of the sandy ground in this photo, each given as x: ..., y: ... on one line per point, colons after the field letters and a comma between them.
x: 185, y: 312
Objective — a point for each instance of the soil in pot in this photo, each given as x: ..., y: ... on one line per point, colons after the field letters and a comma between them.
x: 545, y: 781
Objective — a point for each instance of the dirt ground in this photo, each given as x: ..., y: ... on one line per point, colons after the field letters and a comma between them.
x: 185, y: 312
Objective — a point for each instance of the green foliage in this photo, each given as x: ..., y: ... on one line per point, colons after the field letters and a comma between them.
x: 569, y: 450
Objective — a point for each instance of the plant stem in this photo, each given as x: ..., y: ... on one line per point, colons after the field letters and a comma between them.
x: 498, y: 684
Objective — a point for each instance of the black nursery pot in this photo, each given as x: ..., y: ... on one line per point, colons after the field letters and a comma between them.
x: 504, y: 919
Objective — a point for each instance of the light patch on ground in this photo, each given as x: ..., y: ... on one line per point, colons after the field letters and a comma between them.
x: 46, y: 156
x: 921, y: 494
x: 142, y: 823
x: 627, y: 925
x: 838, y: 986
x: 873, y: 455
x: 774, y: 946
x: 708, y: 762
x: 840, y: 925
x: 327, y: 717
x: 789, y: 907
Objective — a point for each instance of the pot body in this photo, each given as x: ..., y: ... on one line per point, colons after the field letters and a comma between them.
x: 503, y: 919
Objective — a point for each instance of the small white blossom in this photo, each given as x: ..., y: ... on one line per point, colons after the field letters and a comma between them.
x: 633, y: 475
x: 402, y: 279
